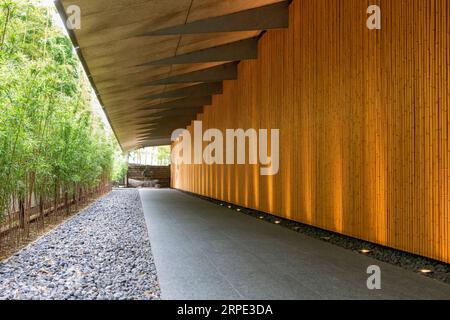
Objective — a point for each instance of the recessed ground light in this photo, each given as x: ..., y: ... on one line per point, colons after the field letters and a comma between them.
x: 229, y: 207
x: 238, y: 210
x: 261, y: 217
x: 221, y: 204
x: 365, y: 251
x: 426, y: 271
x: 277, y: 222
x: 325, y: 238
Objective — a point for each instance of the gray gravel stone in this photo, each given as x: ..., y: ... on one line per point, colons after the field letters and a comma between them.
x: 102, y: 253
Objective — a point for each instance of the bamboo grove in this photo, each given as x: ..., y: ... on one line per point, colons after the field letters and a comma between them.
x: 52, y: 147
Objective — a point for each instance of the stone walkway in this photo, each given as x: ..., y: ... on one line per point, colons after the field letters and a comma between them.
x: 204, y: 251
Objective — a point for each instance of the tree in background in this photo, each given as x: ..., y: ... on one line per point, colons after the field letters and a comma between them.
x: 120, y: 168
x: 154, y: 156
x: 49, y: 138
x: 164, y: 155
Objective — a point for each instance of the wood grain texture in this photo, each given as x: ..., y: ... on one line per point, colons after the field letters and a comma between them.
x: 364, y: 120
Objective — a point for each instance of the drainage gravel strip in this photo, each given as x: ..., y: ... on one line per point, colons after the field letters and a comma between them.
x: 102, y: 253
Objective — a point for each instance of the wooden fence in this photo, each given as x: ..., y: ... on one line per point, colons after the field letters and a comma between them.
x: 23, y: 221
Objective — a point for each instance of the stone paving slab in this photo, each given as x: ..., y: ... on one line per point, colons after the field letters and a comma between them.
x: 204, y: 251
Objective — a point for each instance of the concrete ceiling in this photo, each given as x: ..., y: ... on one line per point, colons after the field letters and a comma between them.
x: 155, y: 63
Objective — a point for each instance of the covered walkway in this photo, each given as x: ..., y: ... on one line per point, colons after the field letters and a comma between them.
x: 204, y: 251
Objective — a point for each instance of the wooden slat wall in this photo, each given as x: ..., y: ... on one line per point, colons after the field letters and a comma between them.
x: 364, y: 123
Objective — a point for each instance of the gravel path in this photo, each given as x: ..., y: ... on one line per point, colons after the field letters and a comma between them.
x: 408, y: 261
x: 102, y: 253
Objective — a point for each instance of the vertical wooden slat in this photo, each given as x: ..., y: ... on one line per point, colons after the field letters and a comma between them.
x: 364, y: 123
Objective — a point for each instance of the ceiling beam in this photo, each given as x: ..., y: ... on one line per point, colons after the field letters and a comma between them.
x: 274, y: 16
x: 240, y: 50
x: 175, y: 111
x: 179, y: 112
x: 164, y: 132
x: 155, y: 141
x: 171, y: 112
x: 162, y: 121
x: 143, y: 132
x: 167, y: 132
x: 180, y: 103
x: 187, y: 104
x: 227, y: 71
